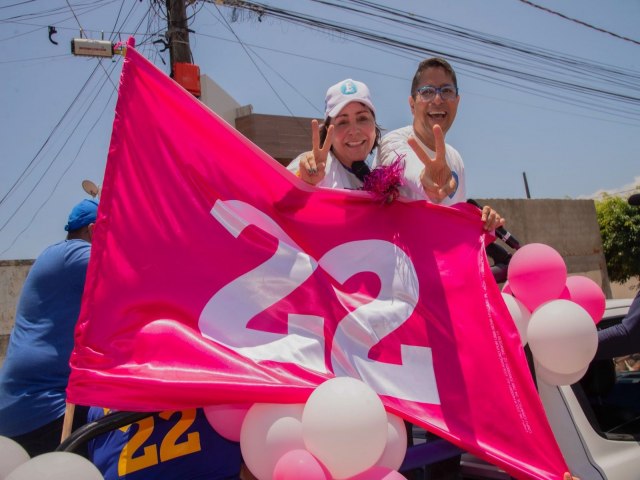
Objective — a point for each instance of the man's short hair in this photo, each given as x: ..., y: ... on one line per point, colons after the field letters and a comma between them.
x: 433, y: 62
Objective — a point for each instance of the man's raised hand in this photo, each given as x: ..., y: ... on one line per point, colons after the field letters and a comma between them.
x: 436, y: 177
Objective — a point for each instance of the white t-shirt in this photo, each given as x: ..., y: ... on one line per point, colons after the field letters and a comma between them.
x: 395, y: 143
x: 336, y: 175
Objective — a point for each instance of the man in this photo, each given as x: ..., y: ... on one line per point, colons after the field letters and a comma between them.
x: 623, y: 338
x: 434, y: 171
x: 36, y: 369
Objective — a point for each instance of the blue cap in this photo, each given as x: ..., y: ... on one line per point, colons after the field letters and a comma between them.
x: 82, y: 215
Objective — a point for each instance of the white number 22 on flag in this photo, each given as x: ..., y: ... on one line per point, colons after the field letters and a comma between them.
x: 225, y: 317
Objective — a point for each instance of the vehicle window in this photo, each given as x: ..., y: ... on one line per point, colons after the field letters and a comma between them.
x: 611, y: 394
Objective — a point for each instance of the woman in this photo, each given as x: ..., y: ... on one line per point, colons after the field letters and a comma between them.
x: 348, y: 136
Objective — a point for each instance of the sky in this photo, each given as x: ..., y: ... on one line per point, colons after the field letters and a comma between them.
x: 571, y: 141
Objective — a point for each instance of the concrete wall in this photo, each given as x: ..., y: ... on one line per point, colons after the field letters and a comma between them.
x: 12, y: 275
x: 569, y: 226
x: 214, y: 96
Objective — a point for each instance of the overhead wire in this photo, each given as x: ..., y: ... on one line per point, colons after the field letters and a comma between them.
x: 260, y: 70
x: 580, y: 22
x: 513, y: 75
x: 58, y: 124
x: 252, y: 48
x: 566, y: 65
x: 16, y: 4
x: 22, y: 176
x: 314, y: 58
x: 80, y: 7
x: 74, y: 15
x: 31, y: 166
x: 486, y: 78
x: 61, y: 176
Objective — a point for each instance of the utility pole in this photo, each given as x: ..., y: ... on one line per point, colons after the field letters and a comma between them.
x: 183, y: 70
x: 177, y: 33
x: 177, y: 41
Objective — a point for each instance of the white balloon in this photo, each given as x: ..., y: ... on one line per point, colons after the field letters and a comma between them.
x: 12, y: 454
x: 268, y: 432
x: 344, y: 425
x: 396, y: 447
x: 553, y: 378
x: 56, y: 466
x: 519, y: 313
x: 562, y: 336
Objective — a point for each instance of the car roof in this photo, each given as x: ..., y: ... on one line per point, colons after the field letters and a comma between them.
x: 617, y: 307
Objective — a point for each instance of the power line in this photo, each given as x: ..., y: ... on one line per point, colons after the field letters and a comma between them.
x: 74, y: 15
x: 29, y: 166
x: 256, y: 65
x: 531, y: 68
x: 53, y: 190
x: 32, y: 164
x: 580, y: 22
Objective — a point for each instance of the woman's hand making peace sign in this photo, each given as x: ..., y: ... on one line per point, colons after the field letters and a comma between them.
x: 313, y: 163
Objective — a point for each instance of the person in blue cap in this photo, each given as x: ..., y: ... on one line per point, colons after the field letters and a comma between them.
x: 34, y: 375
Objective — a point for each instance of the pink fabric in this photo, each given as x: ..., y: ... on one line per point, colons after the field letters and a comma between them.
x: 216, y: 276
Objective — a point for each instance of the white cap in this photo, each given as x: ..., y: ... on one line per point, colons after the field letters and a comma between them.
x: 343, y: 93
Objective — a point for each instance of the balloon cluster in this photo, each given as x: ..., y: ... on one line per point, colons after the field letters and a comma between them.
x: 15, y: 464
x: 555, y: 314
x: 341, y: 432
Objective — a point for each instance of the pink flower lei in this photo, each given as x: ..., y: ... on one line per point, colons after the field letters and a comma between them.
x: 384, y: 180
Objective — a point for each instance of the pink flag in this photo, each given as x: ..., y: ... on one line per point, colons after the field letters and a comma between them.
x: 216, y: 276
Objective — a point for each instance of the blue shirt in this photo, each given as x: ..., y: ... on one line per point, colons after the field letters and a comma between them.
x: 36, y: 368
x: 171, y: 445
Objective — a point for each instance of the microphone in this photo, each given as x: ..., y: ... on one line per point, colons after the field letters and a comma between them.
x: 360, y: 169
x: 501, y: 232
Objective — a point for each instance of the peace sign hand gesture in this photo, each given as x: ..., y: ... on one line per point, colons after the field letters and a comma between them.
x: 436, y: 177
x: 312, y: 164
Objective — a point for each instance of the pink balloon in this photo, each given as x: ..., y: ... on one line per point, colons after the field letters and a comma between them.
x: 297, y: 464
x: 378, y: 473
x: 506, y: 288
x: 537, y: 274
x: 588, y: 294
x: 227, y: 419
